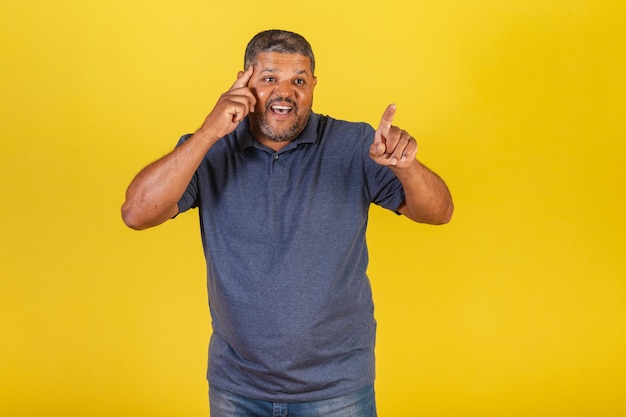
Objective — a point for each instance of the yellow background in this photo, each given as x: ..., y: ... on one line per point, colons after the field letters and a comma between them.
x: 516, y: 308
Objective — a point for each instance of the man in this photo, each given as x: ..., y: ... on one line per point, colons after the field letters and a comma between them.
x: 283, y: 195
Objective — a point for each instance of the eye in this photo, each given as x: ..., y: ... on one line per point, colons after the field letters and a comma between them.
x: 299, y: 81
x: 269, y: 79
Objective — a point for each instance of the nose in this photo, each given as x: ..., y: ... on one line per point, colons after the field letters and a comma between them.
x: 284, y: 88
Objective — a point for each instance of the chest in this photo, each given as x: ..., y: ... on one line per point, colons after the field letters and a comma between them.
x: 262, y: 195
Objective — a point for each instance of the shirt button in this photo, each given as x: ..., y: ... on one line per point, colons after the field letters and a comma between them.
x: 276, y: 157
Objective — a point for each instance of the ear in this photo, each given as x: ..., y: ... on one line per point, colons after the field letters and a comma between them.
x: 314, y: 81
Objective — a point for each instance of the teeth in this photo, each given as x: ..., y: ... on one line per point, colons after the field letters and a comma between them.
x: 281, y: 109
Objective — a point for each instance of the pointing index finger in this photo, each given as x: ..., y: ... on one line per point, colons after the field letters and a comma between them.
x: 243, y: 78
x: 385, y: 122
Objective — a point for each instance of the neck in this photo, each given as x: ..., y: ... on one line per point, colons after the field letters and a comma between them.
x: 273, y: 144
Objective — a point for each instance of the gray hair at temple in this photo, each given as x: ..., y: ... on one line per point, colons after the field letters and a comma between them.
x: 280, y: 41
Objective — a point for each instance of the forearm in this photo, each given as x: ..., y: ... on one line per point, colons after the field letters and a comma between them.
x: 152, y: 197
x: 427, y: 198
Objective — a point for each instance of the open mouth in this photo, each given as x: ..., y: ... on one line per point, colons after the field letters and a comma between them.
x: 281, y: 109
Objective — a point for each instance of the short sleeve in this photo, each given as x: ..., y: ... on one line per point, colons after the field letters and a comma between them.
x: 189, y: 199
x: 383, y: 186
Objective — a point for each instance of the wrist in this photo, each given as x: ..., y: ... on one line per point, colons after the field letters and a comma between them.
x: 207, y: 135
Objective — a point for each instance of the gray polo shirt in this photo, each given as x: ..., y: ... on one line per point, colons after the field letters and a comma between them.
x: 284, y: 240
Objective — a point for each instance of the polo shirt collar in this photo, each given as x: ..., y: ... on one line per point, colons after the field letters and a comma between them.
x: 308, y: 135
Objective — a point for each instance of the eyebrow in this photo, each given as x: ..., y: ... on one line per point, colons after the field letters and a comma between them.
x: 273, y: 70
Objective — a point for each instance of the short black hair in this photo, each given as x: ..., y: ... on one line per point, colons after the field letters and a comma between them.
x: 278, y: 41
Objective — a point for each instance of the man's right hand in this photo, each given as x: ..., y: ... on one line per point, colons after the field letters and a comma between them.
x: 231, y: 108
x: 152, y: 197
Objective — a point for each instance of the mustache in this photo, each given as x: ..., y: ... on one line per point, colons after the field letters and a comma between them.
x: 284, y: 100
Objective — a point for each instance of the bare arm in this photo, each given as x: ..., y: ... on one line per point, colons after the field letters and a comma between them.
x: 152, y: 197
x: 427, y: 198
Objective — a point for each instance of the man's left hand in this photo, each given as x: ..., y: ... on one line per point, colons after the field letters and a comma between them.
x: 392, y: 146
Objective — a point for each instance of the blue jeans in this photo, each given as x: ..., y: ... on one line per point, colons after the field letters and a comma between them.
x: 360, y: 403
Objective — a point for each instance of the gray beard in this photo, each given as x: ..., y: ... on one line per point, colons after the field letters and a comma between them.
x: 288, y: 134
x: 285, y: 135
